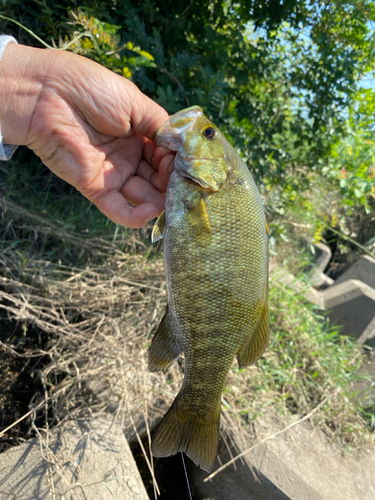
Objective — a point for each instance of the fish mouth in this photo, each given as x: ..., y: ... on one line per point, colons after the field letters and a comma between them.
x: 191, y: 159
x: 192, y: 171
x: 201, y: 184
x: 190, y: 181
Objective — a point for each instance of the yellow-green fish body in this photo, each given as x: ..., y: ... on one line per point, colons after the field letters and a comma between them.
x: 216, y: 259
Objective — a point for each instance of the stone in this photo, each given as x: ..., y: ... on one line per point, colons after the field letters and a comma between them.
x: 85, y: 460
x: 363, y: 269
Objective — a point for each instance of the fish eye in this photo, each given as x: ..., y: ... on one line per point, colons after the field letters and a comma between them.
x: 209, y: 132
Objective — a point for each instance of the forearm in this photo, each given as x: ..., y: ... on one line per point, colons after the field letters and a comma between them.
x: 21, y: 78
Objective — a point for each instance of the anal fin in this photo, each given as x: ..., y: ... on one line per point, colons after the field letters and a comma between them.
x: 258, y: 340
x: 164, y: 348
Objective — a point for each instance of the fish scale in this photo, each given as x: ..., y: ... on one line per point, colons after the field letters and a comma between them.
x: 216, y: 259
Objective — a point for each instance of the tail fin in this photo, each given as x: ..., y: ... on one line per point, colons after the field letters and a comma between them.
x: 194, y: 436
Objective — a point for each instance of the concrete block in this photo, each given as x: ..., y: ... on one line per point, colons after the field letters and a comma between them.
x: 322, y: 256
x: 321, y: 280
x: 242, y: 483
x: 291, y: 281
x: 352, y: 304
x: 84, y: 460
x: 363, y: 269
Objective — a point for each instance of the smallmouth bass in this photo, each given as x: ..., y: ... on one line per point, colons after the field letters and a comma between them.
x: 216, y: 260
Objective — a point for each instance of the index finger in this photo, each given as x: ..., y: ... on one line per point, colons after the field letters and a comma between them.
x: 115, y: 207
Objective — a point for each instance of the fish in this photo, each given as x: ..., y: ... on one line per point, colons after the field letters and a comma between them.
x: 216, y: 264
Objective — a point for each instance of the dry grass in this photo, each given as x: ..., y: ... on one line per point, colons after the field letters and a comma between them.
x: 91, y: 326
x: 93, y: 320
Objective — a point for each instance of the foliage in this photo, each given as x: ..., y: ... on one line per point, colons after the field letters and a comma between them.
x: 280, y: 78
x: 99, y: 40
x: 351, y: 161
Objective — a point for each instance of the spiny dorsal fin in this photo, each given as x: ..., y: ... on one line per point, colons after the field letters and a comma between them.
x: 164, y: 348
x: 258, y: 341
x: 158, y: 230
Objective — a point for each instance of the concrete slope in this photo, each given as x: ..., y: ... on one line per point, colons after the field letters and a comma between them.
x: 85, y: 460
x: 299, y: 464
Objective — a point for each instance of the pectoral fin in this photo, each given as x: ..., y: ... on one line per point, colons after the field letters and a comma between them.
x: 158, y: 230
x: 258, y: 341
x: 164, y: 349
x: 197, y: 215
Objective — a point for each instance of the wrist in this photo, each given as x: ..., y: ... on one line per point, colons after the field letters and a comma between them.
x: 21, y: 80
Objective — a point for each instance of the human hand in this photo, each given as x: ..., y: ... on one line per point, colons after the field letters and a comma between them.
x: 91, y: 127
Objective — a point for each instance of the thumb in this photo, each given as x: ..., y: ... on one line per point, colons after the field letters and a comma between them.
x: 146, y: 115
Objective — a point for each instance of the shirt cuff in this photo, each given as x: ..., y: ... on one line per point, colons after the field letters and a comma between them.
x: 6, y: 151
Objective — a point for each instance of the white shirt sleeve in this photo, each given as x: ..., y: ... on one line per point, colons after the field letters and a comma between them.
x: 6, y: 151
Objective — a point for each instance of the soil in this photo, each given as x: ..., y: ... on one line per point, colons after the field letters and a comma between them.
x: 19, y: 383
